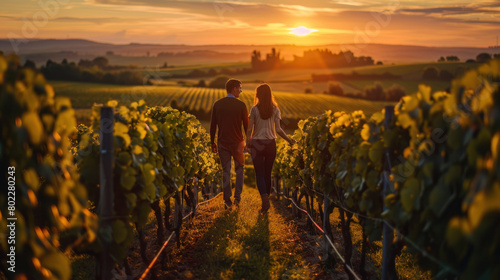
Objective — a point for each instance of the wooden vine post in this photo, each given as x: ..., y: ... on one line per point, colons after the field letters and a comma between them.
x: 106, y: 188
x: 327, y: 227
x: 178, y: 217
x: 285, y: 190
x: 278, y: 186
x: 195, y: 197
x: 388, y: 258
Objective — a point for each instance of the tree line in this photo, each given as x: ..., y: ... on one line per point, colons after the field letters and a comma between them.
x: 480, y: 58
x: 375, y: 92
x: 97, y: 70
x: 317, y: 58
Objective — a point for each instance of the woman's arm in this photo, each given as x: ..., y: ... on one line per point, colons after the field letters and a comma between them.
x: 281, y: 133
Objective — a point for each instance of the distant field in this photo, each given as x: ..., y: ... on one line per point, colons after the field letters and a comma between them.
x: 407, y: 71
x: 299, y: 87
x: 409, y: 86
x: 182, y: 70
x: 410, y: 71
x: 297, y: 80
x: 292, y: 105
x: 288, y: 86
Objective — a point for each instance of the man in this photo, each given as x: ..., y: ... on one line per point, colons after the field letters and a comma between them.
x: 228, y: 115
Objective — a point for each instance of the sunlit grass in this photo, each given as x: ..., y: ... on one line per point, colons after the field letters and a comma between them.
x: 237, y: 244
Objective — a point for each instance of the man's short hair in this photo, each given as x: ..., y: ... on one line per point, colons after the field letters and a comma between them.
x: 231, y: 84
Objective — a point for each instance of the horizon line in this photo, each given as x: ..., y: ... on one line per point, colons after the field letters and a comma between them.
x: 183, y: 44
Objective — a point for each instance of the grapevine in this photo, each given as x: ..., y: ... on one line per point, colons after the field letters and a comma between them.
x: 50, y: 200
x: 444, y: 152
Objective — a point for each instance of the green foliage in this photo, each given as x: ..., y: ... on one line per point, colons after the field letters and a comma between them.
x: 201, y: 83
x: 334, y: 88
x: 430, y: 73
x: 96, y: 71
x: 483, y: 57
x: 157, y: 151
x: 49, y: 199
x: 444, y: 151
x: 374, y: 92
x: 219, y: 82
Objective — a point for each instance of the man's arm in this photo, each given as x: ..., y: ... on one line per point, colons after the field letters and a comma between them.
x: 245, y: 119
x: 213, y: 125
x: 249, y: 132
x: 213, y: 130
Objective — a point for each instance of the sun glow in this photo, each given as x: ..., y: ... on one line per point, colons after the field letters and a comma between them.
x: 301, y: 31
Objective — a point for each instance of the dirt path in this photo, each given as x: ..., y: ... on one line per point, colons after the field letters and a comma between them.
x: 243, y: 244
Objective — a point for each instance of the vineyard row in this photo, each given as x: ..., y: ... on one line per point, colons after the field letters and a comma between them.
x: 431, y: 172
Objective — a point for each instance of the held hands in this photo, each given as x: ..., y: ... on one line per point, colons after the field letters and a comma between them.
x: 246, y: 150
x: 247, y: 147
x: 214, y: 148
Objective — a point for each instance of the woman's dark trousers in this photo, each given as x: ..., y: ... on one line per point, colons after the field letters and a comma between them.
x: 263, y: 154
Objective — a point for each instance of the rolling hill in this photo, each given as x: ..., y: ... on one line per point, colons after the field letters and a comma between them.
x: 146, y: 54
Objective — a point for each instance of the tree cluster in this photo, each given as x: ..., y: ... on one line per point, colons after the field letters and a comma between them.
x: 218, y: 82
x: 273, y: 60
x: 480, y: 58
x: 451, y: 58
x: 375, y: 92
x: 318, y: 58
x: 353, y: 77
x: 91, y: 72
x: 198, y: 73
x: 433, y: 73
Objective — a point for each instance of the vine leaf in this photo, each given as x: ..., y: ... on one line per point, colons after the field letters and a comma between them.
x: 34, y: 126
x: 410, y: 194
x: 58, y: 264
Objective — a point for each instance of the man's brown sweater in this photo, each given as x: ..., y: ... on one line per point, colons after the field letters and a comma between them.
x: 228, y: 114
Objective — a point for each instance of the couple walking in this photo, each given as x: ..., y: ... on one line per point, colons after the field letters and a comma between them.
x: 229, y: 115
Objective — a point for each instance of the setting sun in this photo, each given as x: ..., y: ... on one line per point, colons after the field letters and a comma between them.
x: 301, y: 31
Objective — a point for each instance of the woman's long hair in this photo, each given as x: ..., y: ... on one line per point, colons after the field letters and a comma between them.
x: 264, y: 101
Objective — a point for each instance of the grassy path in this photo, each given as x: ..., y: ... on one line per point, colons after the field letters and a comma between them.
x: 243, y: 244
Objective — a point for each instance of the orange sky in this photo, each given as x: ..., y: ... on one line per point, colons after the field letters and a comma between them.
x: 196, y: 22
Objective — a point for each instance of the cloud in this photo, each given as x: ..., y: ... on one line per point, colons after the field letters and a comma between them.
x: 122, y: 33
x: 451, y: 10
x: 349, y: 3
x: 239, y: 9
x: 252, y: 19
x: 256, y: 21
x: 9, y: 17
x: 95, y: 20
x: 487, y: 14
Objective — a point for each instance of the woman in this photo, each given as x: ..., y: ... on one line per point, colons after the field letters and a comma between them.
x: 264, y: 123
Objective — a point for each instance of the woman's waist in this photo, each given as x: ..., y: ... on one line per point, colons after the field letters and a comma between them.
x: 264, y: 139
x: 266, y: 134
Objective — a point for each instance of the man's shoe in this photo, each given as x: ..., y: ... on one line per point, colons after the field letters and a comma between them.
x: 227, y: 206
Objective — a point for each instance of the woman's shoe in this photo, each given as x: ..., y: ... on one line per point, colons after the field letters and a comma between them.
x: 265, y: 203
